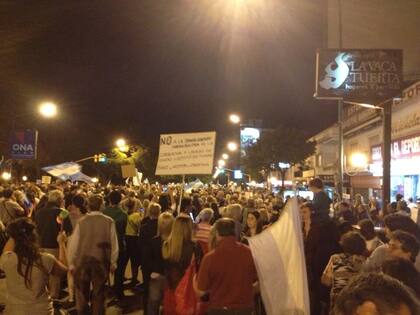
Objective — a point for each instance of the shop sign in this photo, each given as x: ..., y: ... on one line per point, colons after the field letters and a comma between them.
x: 413, y: 91
x: 368, y: 75
x: 400, y: 149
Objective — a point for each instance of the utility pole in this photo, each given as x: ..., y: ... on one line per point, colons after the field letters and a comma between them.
x: 340, y: 181
x: 386, y: 154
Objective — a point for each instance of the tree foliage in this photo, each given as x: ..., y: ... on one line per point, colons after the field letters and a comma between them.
x: 287, y: 145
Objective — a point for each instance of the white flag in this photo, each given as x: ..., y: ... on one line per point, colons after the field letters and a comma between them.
x: 280, y: 261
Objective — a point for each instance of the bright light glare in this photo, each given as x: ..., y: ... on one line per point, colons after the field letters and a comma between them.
x: 48, y: 109
x: 221, y: 163
x: 95, y: 179
x: 120, y: 143
x: 235, y: 119
x: 358, y: 160
x: 274, y: 180
x: 225, y: 156
x: 24, y: 178
x: 6, y: 175
x: 232, y: 146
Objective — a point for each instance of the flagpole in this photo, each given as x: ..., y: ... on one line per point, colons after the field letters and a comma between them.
x: 181, y: 194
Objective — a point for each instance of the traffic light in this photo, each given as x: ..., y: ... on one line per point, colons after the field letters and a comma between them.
x: 102, y: 158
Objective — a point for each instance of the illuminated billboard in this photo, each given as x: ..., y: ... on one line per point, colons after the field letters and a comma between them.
x: 366, y: 75
x: 249, y: 136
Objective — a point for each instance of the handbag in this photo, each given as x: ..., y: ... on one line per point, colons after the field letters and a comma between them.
x: 185, y: 297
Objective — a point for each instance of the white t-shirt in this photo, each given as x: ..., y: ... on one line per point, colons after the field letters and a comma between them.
x: 23, y: 300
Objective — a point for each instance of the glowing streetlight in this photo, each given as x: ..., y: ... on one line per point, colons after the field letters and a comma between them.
x: 358, y: 160
x: 232, y: 146
x: 222, y: 163
x: 24, y: 178
x: 95, y: 180
x: 234, y: 119
x: 48, y: 109
x: 6, y: 175
x: 120, y: 143
x: 225, y: 156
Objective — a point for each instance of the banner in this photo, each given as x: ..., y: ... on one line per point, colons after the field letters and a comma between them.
x: 367, y: 75
x: 128, y: 170
x: 186, y: 153
x: 280, y: 261
x: 23, y: 144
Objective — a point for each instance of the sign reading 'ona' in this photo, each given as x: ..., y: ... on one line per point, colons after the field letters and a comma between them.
x: 186, y: 153
x: 23, y: 144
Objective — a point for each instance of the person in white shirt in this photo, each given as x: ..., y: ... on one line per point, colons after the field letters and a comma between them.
x: 92, y: 254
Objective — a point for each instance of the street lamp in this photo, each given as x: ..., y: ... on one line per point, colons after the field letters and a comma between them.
x: 358, y: 160
x: 225, y: 156
x: 234, y: 119
x: 6, y: 175
x: 222, y: 163
x: 48, y: 109
x: 120, y: 143
x: 24, y: 178
x: 95, y: 180
x: 232, y: 146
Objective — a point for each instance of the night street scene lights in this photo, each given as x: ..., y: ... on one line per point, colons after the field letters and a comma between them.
x: 232, y: 146
x: 225, y: 156
x: 48, y: 109
x: 122, y: 145
x: 221, y: 163
x: 234, y: 119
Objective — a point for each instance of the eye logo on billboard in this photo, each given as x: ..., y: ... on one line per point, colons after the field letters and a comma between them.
x: 336, y: 73
x: 23, y: 144
x: 368, y: 75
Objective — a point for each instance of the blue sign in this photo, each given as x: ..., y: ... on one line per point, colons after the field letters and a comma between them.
x: 23, y: 144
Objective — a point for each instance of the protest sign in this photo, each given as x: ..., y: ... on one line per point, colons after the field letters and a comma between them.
x: 128, y: 170
x: 46, y: 180
x: 186, y: 153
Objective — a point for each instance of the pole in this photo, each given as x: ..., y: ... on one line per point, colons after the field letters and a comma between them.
x: 340, y: 115
x: 340, y: 180
x: 181, y: 193
x: 386, y: 164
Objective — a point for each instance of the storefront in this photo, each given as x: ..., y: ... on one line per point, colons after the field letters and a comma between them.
x: 405, y: 166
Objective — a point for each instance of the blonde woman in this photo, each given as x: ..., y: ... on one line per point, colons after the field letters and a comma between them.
x: 178, y: 253
x: 157, y: 281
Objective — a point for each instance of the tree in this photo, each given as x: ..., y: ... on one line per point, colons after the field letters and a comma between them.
x: 286, y: 145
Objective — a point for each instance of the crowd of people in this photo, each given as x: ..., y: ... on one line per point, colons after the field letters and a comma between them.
x: 188, y: 253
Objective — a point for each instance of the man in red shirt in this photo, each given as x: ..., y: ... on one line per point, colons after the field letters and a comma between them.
x: 228, y: 274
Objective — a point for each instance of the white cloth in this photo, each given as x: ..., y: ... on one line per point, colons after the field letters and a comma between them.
x: 280, y: 261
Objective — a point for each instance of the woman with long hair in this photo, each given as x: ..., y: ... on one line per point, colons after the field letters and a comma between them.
x: 254, y: 226
x: 28, y: 270
x: 157, y: 281
x: 181, y: 260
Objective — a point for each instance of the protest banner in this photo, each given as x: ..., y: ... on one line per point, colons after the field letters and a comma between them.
x: 128, y: 170
x: 186, y: 153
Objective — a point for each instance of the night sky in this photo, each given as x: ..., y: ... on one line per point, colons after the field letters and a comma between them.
x: 140, y: 68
